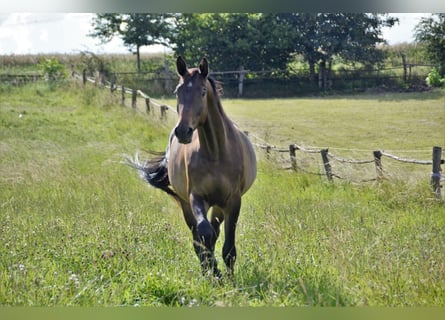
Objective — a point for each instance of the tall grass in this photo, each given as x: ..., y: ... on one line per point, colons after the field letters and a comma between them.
x: 114, y: 62
x: 79, y: 228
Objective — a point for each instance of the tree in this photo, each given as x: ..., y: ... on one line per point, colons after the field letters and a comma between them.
x: 232, y: 40
x: 268, y: 41
x: 352, y: 36
x: 214, y: 36
x: 136, y: 30
x: 431, y: 32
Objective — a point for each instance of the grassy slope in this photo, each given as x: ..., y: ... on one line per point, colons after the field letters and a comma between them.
x: 78, y: 228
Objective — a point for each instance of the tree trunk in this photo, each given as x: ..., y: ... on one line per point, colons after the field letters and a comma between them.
x: 405, y: 69
x: 311, y: 71
x: 322, y: 75
x: 328, y: 75
x: 138, y: 57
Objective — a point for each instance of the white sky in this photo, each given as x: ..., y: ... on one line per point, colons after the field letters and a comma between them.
x: 31, y: 33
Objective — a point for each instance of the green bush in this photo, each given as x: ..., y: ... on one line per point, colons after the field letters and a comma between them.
x: 52, y: 69
x: 434, y: 79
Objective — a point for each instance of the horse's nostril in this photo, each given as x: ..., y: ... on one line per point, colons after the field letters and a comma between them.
x: 184, y: 133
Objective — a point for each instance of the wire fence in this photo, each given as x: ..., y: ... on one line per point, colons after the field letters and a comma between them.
x: 322, y: 162
x: 286, y: 83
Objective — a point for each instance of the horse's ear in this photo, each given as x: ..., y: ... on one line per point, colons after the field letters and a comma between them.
x: 204, y: 67
x: 181, y: 66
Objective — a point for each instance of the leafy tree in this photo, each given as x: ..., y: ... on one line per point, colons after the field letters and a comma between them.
x: 431, y: 32
x: 212, y: 35
x: 135, y: 29
x: 267, y: 41
x: 231, y: 40
x: 200, y: 35
x: 352, y: 36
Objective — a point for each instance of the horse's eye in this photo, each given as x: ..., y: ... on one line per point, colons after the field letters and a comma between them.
x: 203, y: 91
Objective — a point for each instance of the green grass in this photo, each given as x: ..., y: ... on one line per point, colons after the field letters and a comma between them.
x: 79, y: 228
x: 386, y: 121
x: 390, y: 121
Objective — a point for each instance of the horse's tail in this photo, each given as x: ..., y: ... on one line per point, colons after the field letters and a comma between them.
x: 153, y: 171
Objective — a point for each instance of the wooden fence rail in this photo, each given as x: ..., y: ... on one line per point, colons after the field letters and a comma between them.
x: 20, y: 79
x: 149, y: 102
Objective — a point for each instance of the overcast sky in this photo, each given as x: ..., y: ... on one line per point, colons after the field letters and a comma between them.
x: 31, y: 33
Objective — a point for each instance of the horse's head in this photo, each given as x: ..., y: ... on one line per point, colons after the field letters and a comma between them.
x: 191, y: 94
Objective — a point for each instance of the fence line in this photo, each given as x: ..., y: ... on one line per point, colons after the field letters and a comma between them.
x: 98, y: 80
x: 243, y: 82
x: 327, y: 157
x: 19, y: 79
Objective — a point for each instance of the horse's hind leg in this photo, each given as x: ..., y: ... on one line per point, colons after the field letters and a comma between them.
x: 231, y: 219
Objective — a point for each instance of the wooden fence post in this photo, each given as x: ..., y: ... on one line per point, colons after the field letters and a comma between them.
x: 147, y: 104
x: 123, y: 95
x: 268, y: 149
x: 293, y: 158
x: 240, y: 81
x: 84, y: 76
x: 436, y: 175
x: 96, y: 78
x: 164, y: 112
x: 133, y: 98
x: 327, y: 165
x: 405, y: 69
x: 378, y: 164
x: 167, y: 76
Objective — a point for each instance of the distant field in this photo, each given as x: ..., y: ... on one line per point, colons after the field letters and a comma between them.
x: 390, y: 121
x: 78, y: 228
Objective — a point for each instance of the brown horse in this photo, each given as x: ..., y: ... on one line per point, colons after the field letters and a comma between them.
x: 209, y: 163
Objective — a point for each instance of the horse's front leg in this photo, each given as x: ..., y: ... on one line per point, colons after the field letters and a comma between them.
x: 204, y: 235
x: 231, y: 219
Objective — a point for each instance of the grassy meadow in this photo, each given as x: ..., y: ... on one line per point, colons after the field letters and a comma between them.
x: 78, y: 228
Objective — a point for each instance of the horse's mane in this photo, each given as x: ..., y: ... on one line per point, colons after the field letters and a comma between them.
x: 217, y: 92
x: 217, y: 86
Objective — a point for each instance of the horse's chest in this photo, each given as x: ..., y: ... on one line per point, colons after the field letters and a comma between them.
x: 214, y: 180
x: 212, y: 176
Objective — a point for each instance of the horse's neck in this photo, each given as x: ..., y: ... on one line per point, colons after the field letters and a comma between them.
x: 212, y: 134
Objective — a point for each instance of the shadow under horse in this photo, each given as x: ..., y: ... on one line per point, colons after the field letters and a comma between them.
x: 209, y: 164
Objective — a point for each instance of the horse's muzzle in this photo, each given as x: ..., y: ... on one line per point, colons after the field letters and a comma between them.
x: 184, y: 134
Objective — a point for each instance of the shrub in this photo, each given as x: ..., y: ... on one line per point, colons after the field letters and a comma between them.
x: 52, y: 70
x: 434, y: 79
